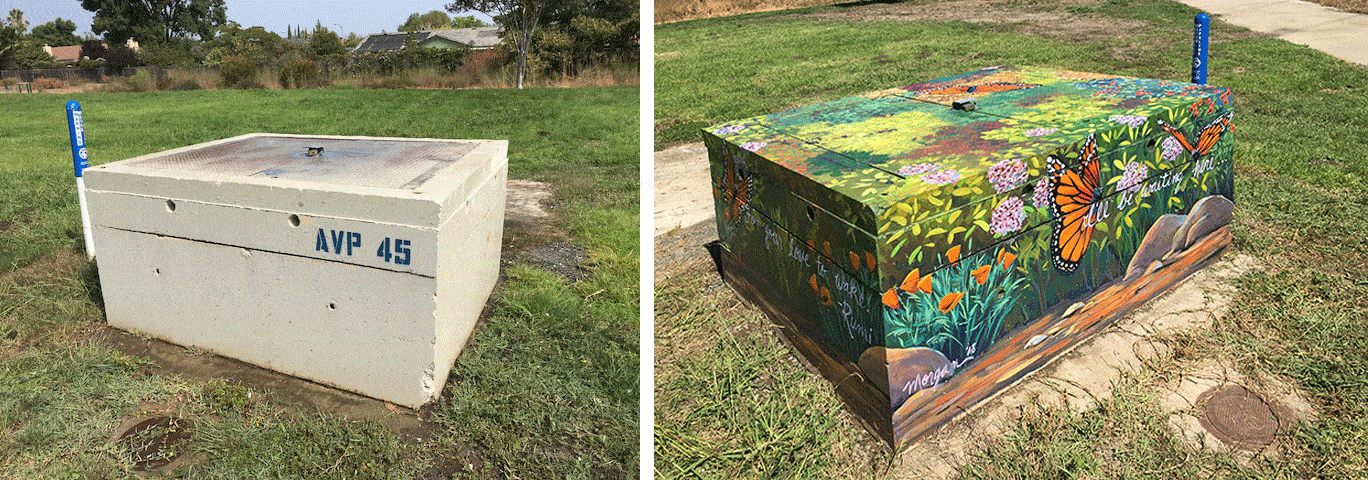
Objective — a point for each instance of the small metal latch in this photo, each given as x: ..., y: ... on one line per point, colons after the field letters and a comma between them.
x: 968, y: 104
x: 315, y: 151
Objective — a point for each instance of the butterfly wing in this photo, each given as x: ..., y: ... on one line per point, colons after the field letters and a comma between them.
x: 1212, y: 133
x: 1072, y: 197
x: 1177, y: 135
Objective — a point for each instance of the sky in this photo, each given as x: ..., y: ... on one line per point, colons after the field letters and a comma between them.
x: 342, y: 16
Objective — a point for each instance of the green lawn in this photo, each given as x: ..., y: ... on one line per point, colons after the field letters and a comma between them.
x: 1302, y: 196
x: 547, y: 388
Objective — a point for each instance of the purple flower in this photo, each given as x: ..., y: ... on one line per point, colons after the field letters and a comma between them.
x: 918, y: 169
x: 728, y: 129
x: 943, y: 177
x: 1129, y: 120
x: 1171, y: 148
x: 1036, y: 132
x: 1008, y: 216
x: 1042, y: 193
x: 1007, y: 174
x: 754, y: 146
x: 1130, y: 180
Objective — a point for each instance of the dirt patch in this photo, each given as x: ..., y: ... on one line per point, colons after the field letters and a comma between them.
x: 1356, y: 6
x: 532, y: 234
x: 154, y: 442
x: 677, y: 10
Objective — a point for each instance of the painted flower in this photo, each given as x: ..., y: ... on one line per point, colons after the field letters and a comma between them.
x: 1038, y: 132
x: 754, y: 146
x: 1130, y: 120
x: 909, y: 283
x: 918, y: 169
x: 1171, y: 148
x: 728, y: 129
x: 943, y: 177
x: 981, y: 274
x: 1007, y: 174
x: 890, y: 298
x: 1042, y: 193
x: 1131, y: 178
x: 1008, y: 216
x: 950, y: 300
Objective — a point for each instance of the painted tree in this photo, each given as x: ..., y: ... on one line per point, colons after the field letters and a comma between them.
x: 57, y: 33
x: 155, y: 21
x: 516, y: 17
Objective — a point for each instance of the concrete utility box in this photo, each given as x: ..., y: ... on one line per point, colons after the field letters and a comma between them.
x: 928, y: 245
x: 357, y: 262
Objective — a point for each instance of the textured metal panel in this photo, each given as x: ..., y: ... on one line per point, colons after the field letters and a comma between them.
x: 367, y: 163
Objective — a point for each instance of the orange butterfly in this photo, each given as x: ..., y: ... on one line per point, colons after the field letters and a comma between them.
x: 985, y: 88
x: 735, y: 184
x: 1073, y: 205
x: 1207, y: 137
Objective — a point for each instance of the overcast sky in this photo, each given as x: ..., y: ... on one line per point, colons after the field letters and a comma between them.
x: 343, y: 16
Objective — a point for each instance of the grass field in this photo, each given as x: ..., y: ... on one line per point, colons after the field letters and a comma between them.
x: 547, y: 388
x: 1301, y: 194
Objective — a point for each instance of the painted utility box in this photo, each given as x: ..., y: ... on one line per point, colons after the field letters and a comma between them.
x: 928, y: 245
x: 357, y: 262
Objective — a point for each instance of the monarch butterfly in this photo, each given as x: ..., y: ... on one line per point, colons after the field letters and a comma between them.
x: 736, y: 185
x: 1073, y: 197
x: 985, y: 88
x: 1207, y: 137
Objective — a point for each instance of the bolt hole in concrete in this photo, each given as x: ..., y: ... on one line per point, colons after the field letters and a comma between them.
x: 332, y: 306
x: 294, y: 220
x: 1241, y: 418
x: 156, y: 271
x: 153, y: 442
x: 170, y: 205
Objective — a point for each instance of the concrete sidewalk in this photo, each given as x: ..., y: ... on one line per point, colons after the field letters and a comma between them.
x: 1338, y: 33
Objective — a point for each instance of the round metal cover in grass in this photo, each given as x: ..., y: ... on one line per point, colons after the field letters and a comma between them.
x: 154, y: 442
x: 1241, y: 418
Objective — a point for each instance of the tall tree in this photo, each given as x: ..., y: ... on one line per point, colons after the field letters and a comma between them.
x: 428, y: 21
x: 156, y: 21
x: 516, y: 17
x: 467, y: 21
x: 57, y: 33
x: 17, y: 21
x: 325, y: 42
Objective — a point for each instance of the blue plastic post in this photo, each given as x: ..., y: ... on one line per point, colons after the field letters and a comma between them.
x: 1201, y: 31
x: 80, y: 159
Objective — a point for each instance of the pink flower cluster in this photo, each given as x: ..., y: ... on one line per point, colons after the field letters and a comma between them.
x: 1171, y: 148
x: 754, y: 146
x: 943, y: 177
x: 1042, y: 193
x: 1007, y: 174
x: 728, y: 129
x: 1036, y: 132
x: 1129, y: 120
x: 1130, y: 180
x: 1008, y: 216
x: 918, y: 169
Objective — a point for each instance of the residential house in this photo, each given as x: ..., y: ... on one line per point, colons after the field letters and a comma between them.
x: 477, y: 38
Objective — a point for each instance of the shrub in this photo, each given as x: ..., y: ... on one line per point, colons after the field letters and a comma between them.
x: 186, y: 84
x: 248, y: 84
x: 46, y: 83
x: 237, y: 69
x: 300, y: 73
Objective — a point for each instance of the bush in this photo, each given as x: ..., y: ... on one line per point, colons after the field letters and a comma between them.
x: 300, y: 73
x: 186, y: 84
x: 237, y: 69
x: 248, y: 84
x: 46, y: 83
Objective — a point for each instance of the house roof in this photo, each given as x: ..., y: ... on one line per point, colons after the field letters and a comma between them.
x: 65, y: 54
x: 476, y: 38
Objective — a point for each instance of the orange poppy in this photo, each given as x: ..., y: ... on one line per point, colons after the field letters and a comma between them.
x: 855, y: 261
x: 813, y: 281
x: 925, y: 284
x: 890, y: 298
x: 1005, y: 258
x: 827, y: 245
x: 869, y: 259
x: 909, y: 284
x: 981, y: 274
x: 826, y: 296
x: 953, y: 254
x: 949, y: 301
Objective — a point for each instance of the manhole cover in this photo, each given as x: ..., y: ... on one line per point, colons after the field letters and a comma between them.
x: 1241, y: 418
x: 153, y: 442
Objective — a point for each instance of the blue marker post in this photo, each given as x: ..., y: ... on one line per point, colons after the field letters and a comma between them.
x: 80, y: 159
x: 1201, y: 31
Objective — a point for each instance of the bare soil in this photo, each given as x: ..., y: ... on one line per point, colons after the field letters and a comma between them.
x: 1356, y: 6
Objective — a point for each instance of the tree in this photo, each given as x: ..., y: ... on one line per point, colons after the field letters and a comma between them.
x: 155, y: 21
x: 16, y: 20
x: 428, y: 21
x: 57, y: 33
x: 467, y: 21
x: 325, y: 42
x: 516, y: 17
